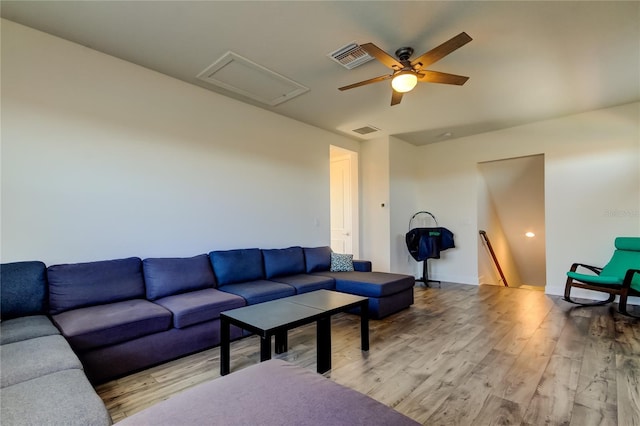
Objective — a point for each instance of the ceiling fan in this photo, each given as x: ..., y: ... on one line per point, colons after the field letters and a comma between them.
x: 406, y: 73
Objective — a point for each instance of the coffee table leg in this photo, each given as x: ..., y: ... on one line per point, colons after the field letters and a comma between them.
x: 224, y: 346
x: 282, y: 343
x: 324, y: 344
x: 364, y: 325
x: 265, y: 348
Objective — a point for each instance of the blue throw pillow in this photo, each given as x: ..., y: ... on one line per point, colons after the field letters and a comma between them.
x: 282, y: 262
x: 237, y: 266
x: 317, y: 259
x: 341, y: 262
x: 167, y: 276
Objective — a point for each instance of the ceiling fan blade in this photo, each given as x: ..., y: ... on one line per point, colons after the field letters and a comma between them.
x: 441, y: 51
x: 382, y: 56
x: 396, y: 97
x: 442, y: 77
x: 362, y: 83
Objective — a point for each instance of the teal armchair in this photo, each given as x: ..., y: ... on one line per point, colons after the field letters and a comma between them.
x: 620, y: 277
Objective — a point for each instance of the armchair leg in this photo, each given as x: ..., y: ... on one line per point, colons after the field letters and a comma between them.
x: 622, y: 305
x: 567, y: 297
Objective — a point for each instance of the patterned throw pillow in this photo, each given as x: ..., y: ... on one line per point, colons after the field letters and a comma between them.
x: 341, y: 262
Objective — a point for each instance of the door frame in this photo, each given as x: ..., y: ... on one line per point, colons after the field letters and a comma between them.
x: 335, y: 153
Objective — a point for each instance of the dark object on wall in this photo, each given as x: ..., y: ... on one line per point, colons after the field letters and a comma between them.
x: 427, y: 242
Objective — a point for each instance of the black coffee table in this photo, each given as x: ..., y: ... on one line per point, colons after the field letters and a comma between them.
x: 276, y: 317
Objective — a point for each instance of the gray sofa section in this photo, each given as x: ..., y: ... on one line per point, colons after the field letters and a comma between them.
x: 41, y: 380
x: 270, y: 393
x: 61, y: 398
x: 24, y: 328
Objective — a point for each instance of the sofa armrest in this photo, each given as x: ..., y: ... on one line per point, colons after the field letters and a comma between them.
x: 362, y: 265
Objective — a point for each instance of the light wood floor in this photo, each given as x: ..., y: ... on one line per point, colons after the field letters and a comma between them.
x: 461, y: 355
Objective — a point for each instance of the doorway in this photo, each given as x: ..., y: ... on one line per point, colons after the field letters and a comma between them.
x: 343, y: 188
x: 511, y: 212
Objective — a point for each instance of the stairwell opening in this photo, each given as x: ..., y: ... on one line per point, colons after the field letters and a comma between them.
x: 512, y: 214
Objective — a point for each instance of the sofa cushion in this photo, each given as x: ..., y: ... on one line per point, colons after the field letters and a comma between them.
x: 237, y: 266
x: 61, y: 398
x: 199, y: 306
x: 304, y: 283
x: 104, y: 325
x: 94, y: 283
x: 370, y: 284
x: 317, y: 259
x: 28, y: 359
x: 274, y: 392
x: 167, y: 276
x: 341, y: 262
x: 362, y: 265
x: 23, y: 289
x: 260, y: 291
x: 281, y: 262
x: 24, y: 328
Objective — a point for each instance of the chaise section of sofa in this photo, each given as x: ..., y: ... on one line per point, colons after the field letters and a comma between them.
x: 388, y: 293
x: 41, y: 379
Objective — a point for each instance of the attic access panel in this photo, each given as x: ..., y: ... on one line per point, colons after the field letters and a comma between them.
x: 244, y: 77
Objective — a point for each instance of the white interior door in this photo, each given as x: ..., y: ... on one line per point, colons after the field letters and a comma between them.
x: 341, y: 215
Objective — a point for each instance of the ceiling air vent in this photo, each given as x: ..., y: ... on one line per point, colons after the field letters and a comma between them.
x: 350, y: 56
x: 246, y: 78
x: 365, y: 130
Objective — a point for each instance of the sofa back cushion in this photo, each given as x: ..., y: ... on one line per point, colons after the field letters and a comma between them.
x: 94, y: 283
x: 23, y: 289
x: 168, y: 276
x: 317, y: 259
x: 237, y: 266
x: 283, y: 262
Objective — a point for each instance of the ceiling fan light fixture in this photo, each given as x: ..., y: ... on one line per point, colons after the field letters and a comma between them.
x: 404, y: 81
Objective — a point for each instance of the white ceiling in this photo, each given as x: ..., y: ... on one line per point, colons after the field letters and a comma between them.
x: 528, y: 61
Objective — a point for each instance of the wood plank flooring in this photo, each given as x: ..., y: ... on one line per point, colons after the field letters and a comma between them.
x: 461, y: 355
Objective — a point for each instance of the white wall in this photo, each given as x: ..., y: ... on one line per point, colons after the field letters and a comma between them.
x: 592, y: 187
x: 375, y: 213
x: 403, y: 203
x: 105, y: 159
x: 448, y: 189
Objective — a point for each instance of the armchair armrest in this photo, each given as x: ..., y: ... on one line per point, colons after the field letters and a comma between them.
x: 362, y: 265
x: 593, y: 269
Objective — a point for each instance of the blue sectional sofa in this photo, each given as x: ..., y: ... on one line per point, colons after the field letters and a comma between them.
x: 119, y: 316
